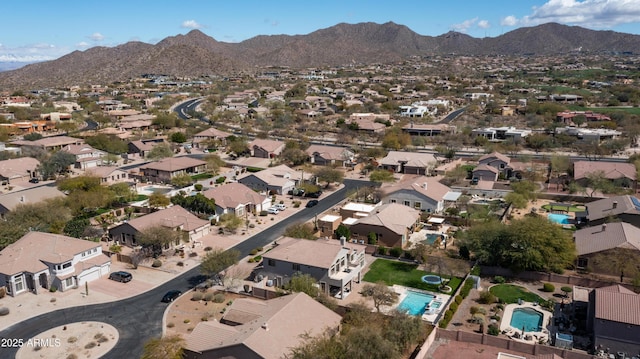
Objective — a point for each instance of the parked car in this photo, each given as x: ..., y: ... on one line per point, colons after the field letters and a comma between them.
x: 121, y: 276
x: 273, y: 210
x: 279, y: 206
x: 171, y: 296
x: 313, y: 194
x: 34, y: 180
x: 312, y: 203
x: 296, y: 192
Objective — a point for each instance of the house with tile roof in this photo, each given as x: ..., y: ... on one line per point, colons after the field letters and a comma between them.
x: 40, y: 261
x: 498, y: 161
x: 322, y: 155
x: 265, y: 148
x: 164, y: 170
x: 614, y: 318
x: 108, y: 174
x: 238, y: 199
x: 50, y: 143
x: 252, y: 328
x: 408, y: 162
x: 485, y: 172
x: 621, y: 174
x: 86, y: 156
x: 279, y: 179
x: 10, y: 201
x: 598, y: 247
x: 392, y: 223
x: 174, y: 217
x: 624, y: 208
x: 204, y: 138
x: 17, y: 169
x: 424, y: 193
x: 143, y: 147
x: 336, y: 264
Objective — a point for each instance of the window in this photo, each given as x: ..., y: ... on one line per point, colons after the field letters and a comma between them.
x: 393, y: 201
x: 295, y: 266
x: 418, y: 205
x: 582, y: 262
x: 271, y: 262
x: 66, y: 265
x: 407, y: 203
x: 19, y: 283
x: 68, y: 282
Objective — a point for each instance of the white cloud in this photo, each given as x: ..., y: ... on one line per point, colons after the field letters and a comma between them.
x: 82, y: 44
x: 464, y: 26
x: 509, y: 21
x: 585, y: 13
x: 484, y: 24
x: 96, y: 36
x: 191, y: 24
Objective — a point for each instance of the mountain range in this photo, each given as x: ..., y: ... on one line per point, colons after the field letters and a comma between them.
x: 196, y: 54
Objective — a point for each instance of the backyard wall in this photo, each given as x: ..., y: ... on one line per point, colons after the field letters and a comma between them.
x: 507, y: 344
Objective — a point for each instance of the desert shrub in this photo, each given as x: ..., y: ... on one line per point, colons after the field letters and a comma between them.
x: 548, y: 287
x: 477, y: 310
x: 253, y: 252
x: 475, y: 270
x: 251, y: 260
x: 198, y: 187
x: 186, y: 321
x: 204, y: 319
x: 196, y: 296
x: 458, y: 299
x: 486, y: 297
x: 208, y: 297
x: 72, y: 356
x: 208, y: 249
x: 466, y: 287
x: 218, y: 298
x: 90, y: 345
x: 3, y: 292
x: 495, y: 317
x: 221, y: 179
x: 499, y: 279
x: 72, y: 340
x: 156, y: 263
x: 180, y: 264
x: 251, y: 225
x: 260, y: 249
x: 395, y: 252
x: 52, y: 300
x: 296, y: 204
x: 4, y: 311
x: 477, y: 318
x: 101, y: 338
x: 53, y: 289
x: 171, y: 325
x: 493, y: 330
x: 193, y: 254
x: 453, y: 306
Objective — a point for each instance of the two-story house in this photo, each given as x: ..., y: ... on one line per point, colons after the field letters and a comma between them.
x: 392, y: 223
x: 420, y: 192
x: 41, y: 261
x: 238, y: 199
x: 86, y: 156
x: 335, y: 264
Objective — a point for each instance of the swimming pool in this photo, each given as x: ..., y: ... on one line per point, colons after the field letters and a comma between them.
x: 415, y: 302
x: 527, y: 318
x: 431, y: 238
x: 558, y: 218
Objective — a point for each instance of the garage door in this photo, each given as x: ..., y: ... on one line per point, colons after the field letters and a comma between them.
x: 89, y: 275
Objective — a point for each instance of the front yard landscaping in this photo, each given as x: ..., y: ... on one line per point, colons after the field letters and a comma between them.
x: 406, y: 274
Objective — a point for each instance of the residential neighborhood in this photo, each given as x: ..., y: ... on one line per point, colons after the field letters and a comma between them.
x: 284, y: 211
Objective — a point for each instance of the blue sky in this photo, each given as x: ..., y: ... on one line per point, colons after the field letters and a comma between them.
x: 39, y: 30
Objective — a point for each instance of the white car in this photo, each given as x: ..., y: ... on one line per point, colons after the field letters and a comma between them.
x: 279, y: 206
x: 273, y: 210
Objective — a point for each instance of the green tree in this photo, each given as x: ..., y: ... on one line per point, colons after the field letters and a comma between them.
x: 178, y: 137
x: 380, y: 293
x: 381, y: 176
x: 76, y: 227
x: 303, y: 283
x: 343, y: 231
x: 214, y: 163
x: 294, y: 156
x: 56, y: 164
x: 158, y: 200
x: 169, y: 347
x: 300, y: 230
x: 329, y: 175
x: 32, y: 136
x: 123, y: 192
x: 160, y: 151
x: 238, y: 146
x: 217, y: 260
x: 231, y: 222
x: 159, y: 237
x: 182, y: 180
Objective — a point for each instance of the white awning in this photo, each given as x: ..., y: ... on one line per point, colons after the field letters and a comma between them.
x: 452, y: 196
x: 436, y: 220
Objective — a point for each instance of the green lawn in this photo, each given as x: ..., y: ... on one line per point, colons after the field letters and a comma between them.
x: 406, y: 274
x: 510, y: 293
x: 201, y: 176
x: 572, y: 208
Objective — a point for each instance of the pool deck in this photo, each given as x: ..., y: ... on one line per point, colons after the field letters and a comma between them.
x: 428, y: 316
x: 534, y: 337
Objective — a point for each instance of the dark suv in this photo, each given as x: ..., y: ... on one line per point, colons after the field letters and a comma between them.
x: 171, y: 296
x: 123, y: 277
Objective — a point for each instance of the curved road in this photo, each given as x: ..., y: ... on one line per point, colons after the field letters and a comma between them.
x: 139, y: 318
x: 183, y: 108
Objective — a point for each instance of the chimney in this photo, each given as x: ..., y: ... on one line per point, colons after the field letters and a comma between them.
x: 615, y: 204
x: 343, y: 240
x: 424, y: 185
x: 604, y: 227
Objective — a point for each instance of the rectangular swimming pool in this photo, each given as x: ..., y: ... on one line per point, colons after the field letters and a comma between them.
x: 415, y: 302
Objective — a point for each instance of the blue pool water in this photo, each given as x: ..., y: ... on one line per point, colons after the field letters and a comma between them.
x: 414, y: 303
x: 558, y: 218
x: 528, y: 318
x: 431, y: 238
